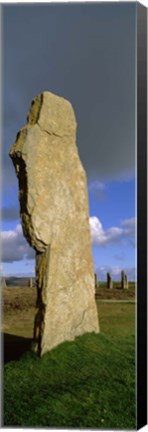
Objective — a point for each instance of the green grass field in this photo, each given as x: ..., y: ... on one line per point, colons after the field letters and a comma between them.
x: 88, y: 383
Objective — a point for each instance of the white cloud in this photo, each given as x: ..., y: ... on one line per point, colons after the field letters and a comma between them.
x: 116, y: 271
x: 14, y: 246
x: 113, y: 235
x: 129, y: 222
x: 129, y: 226
x: 97, y: 232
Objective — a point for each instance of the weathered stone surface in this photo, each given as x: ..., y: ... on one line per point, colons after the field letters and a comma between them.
x: 109, y: 281
x: 55, y: 221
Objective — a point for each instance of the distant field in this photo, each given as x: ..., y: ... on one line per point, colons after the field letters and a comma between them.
x: 23, y: 281
x: 19, y: 310
x: 18, y: 281
x: 19, y: 305
x: 102, y: 292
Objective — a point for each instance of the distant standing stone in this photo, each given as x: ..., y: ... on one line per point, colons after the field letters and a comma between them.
x: 55, y: 221
x: 109, y: 281
x: 124, y: 281
x: 30, y: 283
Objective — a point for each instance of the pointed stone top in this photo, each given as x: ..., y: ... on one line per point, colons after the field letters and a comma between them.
x: 53, y: 113
x: 50, y: 128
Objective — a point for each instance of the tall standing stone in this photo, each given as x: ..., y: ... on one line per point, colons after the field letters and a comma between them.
x: 109, y: 281
x: 55, y: 221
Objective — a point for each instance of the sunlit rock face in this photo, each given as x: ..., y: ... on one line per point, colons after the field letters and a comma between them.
x: 55, y: 221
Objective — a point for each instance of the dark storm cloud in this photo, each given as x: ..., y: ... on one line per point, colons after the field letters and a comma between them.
x: 86, y: 53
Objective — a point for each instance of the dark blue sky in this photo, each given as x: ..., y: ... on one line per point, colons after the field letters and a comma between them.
x: 85, y: 53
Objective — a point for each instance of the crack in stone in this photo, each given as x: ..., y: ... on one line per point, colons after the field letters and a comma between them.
x: 82, y: 319
x: 51, y: 133
x: 42, y: 264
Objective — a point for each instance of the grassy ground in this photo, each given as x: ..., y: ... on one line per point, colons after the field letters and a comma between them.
x: 88, y: 383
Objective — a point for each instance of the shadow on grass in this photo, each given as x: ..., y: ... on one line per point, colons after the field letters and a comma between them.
x: 13, y: 347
